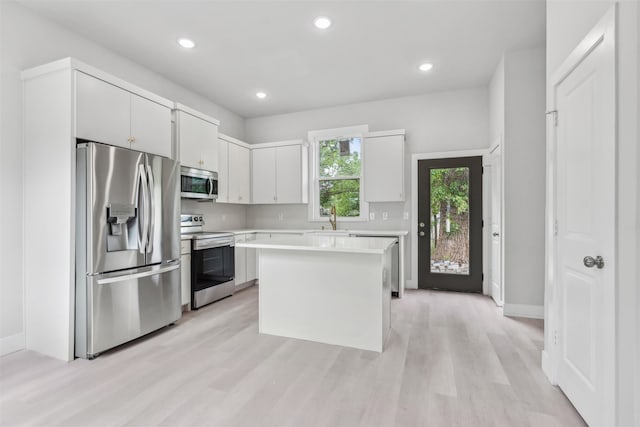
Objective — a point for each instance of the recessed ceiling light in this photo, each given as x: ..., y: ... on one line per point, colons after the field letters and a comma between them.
x: 261, y: 95
x: 186, y: 43
x: 425, y: 67
x: 322, y: 22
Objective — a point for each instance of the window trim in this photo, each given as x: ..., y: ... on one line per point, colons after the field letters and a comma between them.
x: 314, y: 138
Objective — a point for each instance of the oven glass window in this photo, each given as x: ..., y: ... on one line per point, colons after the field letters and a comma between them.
x: 212, y: 267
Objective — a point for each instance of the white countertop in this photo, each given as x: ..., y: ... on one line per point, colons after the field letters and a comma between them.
x: 394, y: 233
x: 309, y: 242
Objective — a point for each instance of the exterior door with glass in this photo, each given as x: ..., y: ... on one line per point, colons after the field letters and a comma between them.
x: 450, y: 224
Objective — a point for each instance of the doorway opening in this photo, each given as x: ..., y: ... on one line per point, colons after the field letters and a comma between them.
x: 450, y: 224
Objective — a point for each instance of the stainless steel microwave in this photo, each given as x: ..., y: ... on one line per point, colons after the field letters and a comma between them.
x: 198, y: 184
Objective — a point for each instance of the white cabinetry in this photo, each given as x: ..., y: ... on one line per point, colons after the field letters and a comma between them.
x: 384, y: 166
x: 112, y: 115
x: 62, y: 101
x: 239, y: 174
x: 197, y: 139
x: 234, y: 173
x: 280, y: 174
x: 246, y: 262
x: 185, y: 272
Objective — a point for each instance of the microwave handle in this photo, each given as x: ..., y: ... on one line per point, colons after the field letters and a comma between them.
x: 210, y: 187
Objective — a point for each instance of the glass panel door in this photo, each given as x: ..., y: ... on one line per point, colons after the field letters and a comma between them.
x: 450, y: 224
x: 449, y: 220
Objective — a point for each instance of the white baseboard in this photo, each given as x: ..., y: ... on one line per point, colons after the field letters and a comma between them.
x: 410, y: 284
x: 546, y: 365
x: 524, y: 310
x: 11, y: 343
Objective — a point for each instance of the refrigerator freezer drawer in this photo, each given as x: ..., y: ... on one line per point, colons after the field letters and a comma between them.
x: 126, y: 305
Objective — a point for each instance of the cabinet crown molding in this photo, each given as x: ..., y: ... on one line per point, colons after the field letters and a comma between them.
x: 181, y: 107
x: 70, y: 63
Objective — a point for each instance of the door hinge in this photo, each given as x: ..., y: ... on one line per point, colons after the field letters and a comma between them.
x: 555, y: 227
x: 555, y: 116
x: 483, y: 223
x: 555, y: 337
x: 483, y: 277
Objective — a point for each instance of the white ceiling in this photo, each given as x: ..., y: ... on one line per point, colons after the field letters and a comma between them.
x: 371, y: 52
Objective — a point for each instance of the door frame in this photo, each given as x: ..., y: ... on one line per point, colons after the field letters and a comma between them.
x: 551, y: 355
x: 487, y: 232
x: 413, y: 283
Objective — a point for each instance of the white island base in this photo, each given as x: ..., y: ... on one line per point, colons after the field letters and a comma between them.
x: 340, y: 296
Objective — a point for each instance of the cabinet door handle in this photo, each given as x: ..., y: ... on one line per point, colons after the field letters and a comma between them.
x: 131, y: 140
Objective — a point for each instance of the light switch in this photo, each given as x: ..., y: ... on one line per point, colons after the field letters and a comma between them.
x: 405, y: 215
x: 385, y: 216
x: 372, y: 216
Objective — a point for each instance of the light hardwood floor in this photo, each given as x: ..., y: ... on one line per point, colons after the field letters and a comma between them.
x: 451, y: 360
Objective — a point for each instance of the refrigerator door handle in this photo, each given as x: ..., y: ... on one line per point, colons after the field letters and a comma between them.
x: 126, y: 277
x: 152, y: 222
x: 142, y: 221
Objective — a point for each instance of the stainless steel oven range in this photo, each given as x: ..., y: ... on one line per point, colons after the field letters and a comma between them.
x: 212, y: 261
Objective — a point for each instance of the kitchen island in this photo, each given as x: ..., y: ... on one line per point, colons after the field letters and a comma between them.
x: 334, y: 290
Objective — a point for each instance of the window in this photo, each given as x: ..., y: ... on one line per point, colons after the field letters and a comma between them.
x: 337, y: 170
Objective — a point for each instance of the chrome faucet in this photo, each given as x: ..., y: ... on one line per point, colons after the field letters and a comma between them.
x: 333, y: 220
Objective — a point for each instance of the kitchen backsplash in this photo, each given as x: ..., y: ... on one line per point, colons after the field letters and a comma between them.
x: 217, y: 216
x: 296, y: 216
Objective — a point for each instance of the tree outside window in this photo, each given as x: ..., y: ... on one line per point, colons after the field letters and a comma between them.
x: 339, y: 171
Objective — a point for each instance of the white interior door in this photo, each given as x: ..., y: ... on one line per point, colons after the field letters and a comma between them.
x: 585, y: 211
x: 495, y: 269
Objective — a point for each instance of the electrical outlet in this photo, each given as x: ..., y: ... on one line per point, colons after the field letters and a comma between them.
x: 385, y: 216
x: 372, y: 216
x: 405, y: 215
x: 280, y: 216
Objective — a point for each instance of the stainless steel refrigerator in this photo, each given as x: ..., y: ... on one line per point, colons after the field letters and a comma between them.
x: 127, y: 246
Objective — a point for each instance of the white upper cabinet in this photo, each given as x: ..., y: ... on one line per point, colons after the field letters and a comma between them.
x: 223, y: 171
x: 280, y: 174
x: 109, y: 114
x: 150, y: 126
x: 289, y: 180
x: 384, y: 166
x: 264, y: 175
x: 197, y: 139
x: 103, y: 111
x: 239, y: 174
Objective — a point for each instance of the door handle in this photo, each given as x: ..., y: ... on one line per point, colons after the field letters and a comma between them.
x: 142, y: 222
x: 495, y: 234
x: 152, y: 214
x: 590, y: 262
x: 421, y: 225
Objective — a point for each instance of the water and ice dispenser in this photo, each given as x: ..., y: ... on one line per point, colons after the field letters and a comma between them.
x: 122, y: 231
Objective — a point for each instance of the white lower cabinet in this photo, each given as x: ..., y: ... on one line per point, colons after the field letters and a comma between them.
x: 185, y: 272
x: 246, y: 262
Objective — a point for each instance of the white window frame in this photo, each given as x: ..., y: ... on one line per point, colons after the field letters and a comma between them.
x: 314, y: 137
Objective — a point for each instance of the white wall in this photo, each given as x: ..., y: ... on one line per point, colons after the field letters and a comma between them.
x: 434, y: 122
x: 27, y: 40
x: 567, y: 23
x: 517, y: 101
x: 496, y: 104
x: 524, y: 152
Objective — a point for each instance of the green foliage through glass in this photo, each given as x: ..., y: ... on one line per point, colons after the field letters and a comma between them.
x: 339, y: 169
